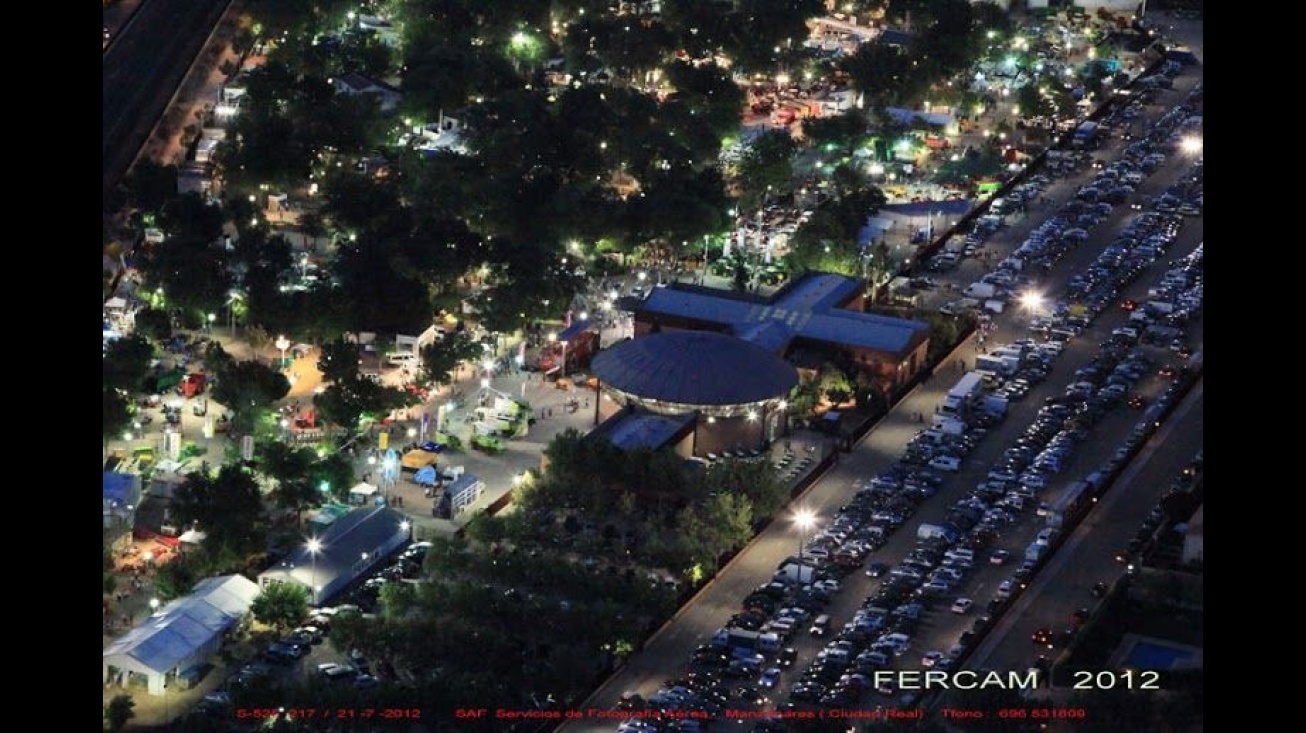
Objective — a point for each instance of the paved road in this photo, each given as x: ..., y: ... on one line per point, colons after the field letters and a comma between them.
x: 1088, y: 555
x: 142, y: 69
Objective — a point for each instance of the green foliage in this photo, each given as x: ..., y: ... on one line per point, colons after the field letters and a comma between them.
x: 442, y: 357
x: 177, y: 578
x: 833, y: 384
x: 249, y: 389
x: 226, y: 505
x: 150, y: 185
x: 281, y: 605
x: 803, y: 398
x: 115, y: 415
x: 766, y: 168
x: 338, y: 360
x: 118, y: 711
x: 754, y: 480
x: 126, y: 362
x: 345, y: 403
x: 154, y: 324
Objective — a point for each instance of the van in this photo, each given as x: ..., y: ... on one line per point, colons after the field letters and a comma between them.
x: 821, y: 625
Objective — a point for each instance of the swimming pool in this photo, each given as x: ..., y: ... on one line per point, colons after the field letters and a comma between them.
x: 1150, y: 655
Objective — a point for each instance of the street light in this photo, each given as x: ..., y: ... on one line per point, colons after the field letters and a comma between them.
x: 1191, y: 145
x: 154, y: 606
x: 804, y: 520
x: 314, y: 546
x: 390, y: 467
x: 212, y: 317
x: 1032, y: 301
x: 283, y: 344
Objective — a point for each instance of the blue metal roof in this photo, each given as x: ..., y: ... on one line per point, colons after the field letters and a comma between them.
x: 695, y: 368
x: 818, y: 291
x: 866, y: 330
x: 717, y: 307
x: 807, y: 309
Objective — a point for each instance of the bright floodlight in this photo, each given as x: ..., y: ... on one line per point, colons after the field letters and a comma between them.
x: 804, y: 519
x: 314, y: 545
x: 1191, y: 145
x: 1032, y: 300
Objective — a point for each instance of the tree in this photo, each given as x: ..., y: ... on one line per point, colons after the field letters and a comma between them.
x: 227, y: 506
x: 150, y: 185
x: 281, y: 605
x: 249, y: 389
x: 338, y: 361
x: 116, y: 415
x: 291, y: 467
x: 834, y: 385
x: 191, y: 270
x: 126, y: 362
x: 443, y: 356
x: 153, y: 323
x: 177, y: 578
x: 345, y: 403
x: 766, y: 168
x: 119, y: 711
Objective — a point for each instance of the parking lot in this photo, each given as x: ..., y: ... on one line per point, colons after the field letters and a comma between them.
x: 1082, y: 367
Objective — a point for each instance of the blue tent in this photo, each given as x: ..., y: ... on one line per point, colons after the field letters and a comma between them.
x: 425, y: 476
x: 431, y: 447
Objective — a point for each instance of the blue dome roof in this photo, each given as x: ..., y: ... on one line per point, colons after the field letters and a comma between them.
x: 695, y: 368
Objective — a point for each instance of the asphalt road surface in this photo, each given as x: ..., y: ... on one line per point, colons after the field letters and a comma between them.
x: 142, y: 68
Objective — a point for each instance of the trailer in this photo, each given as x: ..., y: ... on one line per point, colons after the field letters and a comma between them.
x: 963, y: 393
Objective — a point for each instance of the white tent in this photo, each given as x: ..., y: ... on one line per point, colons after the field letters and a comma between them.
x: 362, y: 493
x: 182, y: 634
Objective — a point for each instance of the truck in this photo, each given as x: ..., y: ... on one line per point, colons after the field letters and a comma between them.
x: 733, y: 638
x: 1085, y: 135
x: 980, y: 291
x: 1003, y: 365
x: 576, y: 352
x: 963, y: 392
x: 192, y: 384
x: 937, y: 532
x: 164, y: 381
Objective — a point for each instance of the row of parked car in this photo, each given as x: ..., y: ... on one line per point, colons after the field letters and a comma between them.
x: 882, y: 630
x: 881, y: 634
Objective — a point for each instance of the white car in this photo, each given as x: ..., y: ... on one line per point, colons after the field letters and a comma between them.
x: 946, y: 463
x: 999, y: 557
x: 1004, y: 590
x: 931, y: 658
x: 962, y: 605
x: 829, y: 585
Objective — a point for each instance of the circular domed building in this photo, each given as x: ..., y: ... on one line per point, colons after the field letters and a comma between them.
x: 736, y: 389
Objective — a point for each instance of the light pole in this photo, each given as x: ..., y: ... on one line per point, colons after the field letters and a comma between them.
x: 283, y: 344
x: 1032, y: 302
x: 314, y: 546
x: 154, y: 606
x: 804, y: 520
x: 390, y: 469
x: 564, y: 357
